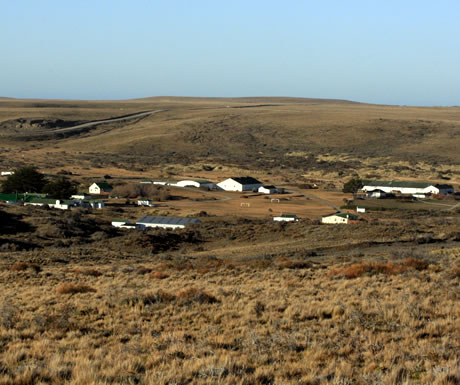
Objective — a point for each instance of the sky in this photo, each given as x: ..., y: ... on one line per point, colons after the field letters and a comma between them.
x: 400, y: 52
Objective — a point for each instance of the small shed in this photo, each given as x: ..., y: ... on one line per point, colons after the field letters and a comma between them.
x: 286, y: 218
x: 268, y: 189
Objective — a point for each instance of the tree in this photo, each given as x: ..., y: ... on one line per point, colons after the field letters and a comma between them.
x: 353, y: 185
x: 26, y: 179
x: 62, y: 188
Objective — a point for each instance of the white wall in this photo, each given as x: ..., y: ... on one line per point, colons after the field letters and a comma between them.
x: 334, y: 219
x: 94, y: 189
x: 232, y: 185
x: 164, y: 226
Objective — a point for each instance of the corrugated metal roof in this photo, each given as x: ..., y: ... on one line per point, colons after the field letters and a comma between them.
x: 167, y: 220
x: 395, y: 183
x: 245, y: 180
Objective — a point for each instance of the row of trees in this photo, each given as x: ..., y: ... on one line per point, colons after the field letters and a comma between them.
x: 28, y: 179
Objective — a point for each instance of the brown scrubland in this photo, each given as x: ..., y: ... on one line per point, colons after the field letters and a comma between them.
x: 239, y: 299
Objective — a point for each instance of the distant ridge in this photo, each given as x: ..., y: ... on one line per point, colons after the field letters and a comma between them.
x: 250, y: 99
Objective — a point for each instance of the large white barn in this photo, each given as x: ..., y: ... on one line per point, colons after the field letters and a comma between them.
x: 243, y: 183
x: 409, y: 188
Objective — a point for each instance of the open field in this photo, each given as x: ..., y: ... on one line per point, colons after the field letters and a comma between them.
x: 239, y: 299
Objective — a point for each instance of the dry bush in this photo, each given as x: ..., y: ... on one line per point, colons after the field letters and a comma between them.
x: 159, y: 275
x: 143, y: 270
x: 359, y: 269
x: 89, y: 272
x: 416, y: 263
x: 160, y: 296
x: 286, y: 263
x: 22, y: 266
x: 192, y: 295
x: 19, y: 266
x: 74, y: 288
x: 455, y: 272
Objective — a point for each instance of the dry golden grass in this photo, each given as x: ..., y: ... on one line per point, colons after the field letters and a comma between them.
x: 285, y: 322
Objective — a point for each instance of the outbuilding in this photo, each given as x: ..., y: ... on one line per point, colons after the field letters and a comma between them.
x: 268, y: 189
x: 286, y: 218
x: 243, y: 183
x: 340, y: 218
x: 166, y: 222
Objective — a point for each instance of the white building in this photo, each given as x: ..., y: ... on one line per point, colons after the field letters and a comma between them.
x: 376, y: 194
x: 406, y: 188
x: 196, y: 183
x: 81, y: 196
x: 268, y: 189
x: 340, y: 218
x: 121, y: 223
x: 245, y: 183
x: 100, y: 188
x: 286, y: 218
x: 360, y: 209
x: 145, y: 202
x: 52, y: 203
x: 7, y: 173
x: 166, y: 222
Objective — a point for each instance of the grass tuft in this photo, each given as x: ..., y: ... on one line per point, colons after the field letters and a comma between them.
x: 74, y: 288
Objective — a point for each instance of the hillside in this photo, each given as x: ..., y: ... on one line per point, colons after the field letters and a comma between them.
x: 252, y: 133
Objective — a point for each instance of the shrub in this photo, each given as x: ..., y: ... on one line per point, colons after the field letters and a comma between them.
x: 285, y: 263
x: 415, y: 263
x: 22, y: 266
x: 143, y: 270
x: 74, y: 288
x: 192, y: 295
x: 359, y: 269
x: 90, y: 272
x: 159, y: 275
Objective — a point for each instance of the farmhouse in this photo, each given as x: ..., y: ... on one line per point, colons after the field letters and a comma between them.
x: 407, y: 188
x: 166, y: 222
x: 340, y: 218
x: 268, y: 189
x: 244, y: 183
x: 196, y: 183
x: 286, y: 218
x: 100, y: 188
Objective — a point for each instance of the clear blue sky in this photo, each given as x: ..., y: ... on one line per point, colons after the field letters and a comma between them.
x: 377, y: 51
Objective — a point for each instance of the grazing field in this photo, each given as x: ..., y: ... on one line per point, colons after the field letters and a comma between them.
x: 238, y: 299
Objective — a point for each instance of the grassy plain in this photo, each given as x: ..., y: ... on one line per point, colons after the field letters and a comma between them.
x: 239, y: 299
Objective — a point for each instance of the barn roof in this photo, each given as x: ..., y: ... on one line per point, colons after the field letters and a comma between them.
x: 167, y: 220
x: 396, y: 183
x: 104, y: 185
x: 246, y: 180
x: 353, y: 217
